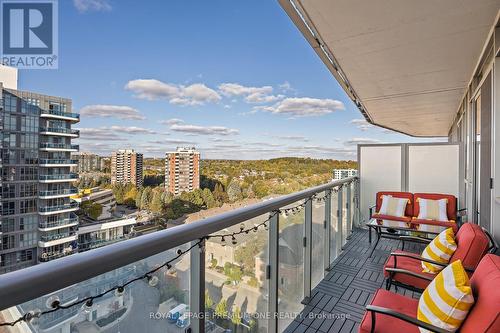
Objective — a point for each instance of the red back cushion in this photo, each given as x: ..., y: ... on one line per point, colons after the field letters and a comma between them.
x: 406, y: 195
x: 472, y: 245
x: 485, y: 313
x: 451, y: 206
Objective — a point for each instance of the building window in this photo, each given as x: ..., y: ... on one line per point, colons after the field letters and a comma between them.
x: 27, y: 239
x: 27, y: 206
x: 28, y: 222
x: 8, y: 225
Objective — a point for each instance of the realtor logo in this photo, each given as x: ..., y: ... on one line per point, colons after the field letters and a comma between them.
x: 29, y: 33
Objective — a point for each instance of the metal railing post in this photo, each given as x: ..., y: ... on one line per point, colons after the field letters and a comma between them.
x: 348, y: 203
x: 340, y: 232
x: 307, y: 250
x: 272, y: 273
x: 197, y: 289
x: 327, y: 229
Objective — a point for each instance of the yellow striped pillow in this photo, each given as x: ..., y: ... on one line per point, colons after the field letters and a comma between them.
x: 447, y: 299
x: 440, y: 249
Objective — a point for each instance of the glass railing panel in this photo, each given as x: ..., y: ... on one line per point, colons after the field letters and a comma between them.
x: 318, y: 240
x: 158, y: 305
x: 236, y: 288
x: 291, y: 266
x: 344, y: 215
x: 334, y: 234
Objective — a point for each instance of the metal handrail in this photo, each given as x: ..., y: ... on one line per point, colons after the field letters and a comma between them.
x: 15, y: 287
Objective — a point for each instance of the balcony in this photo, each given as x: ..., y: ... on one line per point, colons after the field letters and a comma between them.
x: 64, y: 208
x: 58, y: 178
x: 57, y: 162
x: 322, y: 215
x: 60, y: 223
x: 60, y: 131
x: 47, y: 238
x: 60, y: 193
x: 48, y: 146
x: 73, y: 117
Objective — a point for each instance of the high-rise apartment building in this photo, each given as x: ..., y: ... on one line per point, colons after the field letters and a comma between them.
x: 126, y: 167
x: 88, y: 162
x: 38, y: 221
x: 182, y: 170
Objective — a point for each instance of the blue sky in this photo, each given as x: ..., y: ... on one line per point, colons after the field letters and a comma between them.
x: 236, y: 79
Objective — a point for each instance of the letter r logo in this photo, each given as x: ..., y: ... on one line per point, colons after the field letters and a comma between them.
x: 27, y: 27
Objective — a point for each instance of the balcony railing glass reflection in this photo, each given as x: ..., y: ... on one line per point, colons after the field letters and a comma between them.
x: 61, y: 114
x: 59, y: 222
x: 58, y: 176
x: 63, y: 191
x: 50, y: 145
x: 62, y: 130
x: 57, y: 161
x: 55, y: 208
x: 250, y: 275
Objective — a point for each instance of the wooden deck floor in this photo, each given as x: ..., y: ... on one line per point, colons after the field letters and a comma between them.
x: 348, y: 287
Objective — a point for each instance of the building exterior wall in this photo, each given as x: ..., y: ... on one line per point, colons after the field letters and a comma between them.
x: 88, y: 162
x: 182, y: 170
x: 37, y: 215
x: 127, y: 167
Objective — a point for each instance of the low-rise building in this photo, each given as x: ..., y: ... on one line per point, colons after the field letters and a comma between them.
x: 344, y: 173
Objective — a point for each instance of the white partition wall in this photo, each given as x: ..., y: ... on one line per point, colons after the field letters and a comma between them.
x: 433, y: 169
x: 427, y: 168
x: 379, y: 166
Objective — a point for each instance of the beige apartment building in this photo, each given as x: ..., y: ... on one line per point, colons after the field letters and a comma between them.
x: 126, y: 167
x: 182, y: 170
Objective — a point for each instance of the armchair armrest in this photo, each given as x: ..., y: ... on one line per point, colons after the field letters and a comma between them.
x: 414, y: 321
x: 417, y: 257
x: 407, y: 272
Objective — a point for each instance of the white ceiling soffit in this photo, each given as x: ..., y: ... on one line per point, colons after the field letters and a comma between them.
x: 408, y: 61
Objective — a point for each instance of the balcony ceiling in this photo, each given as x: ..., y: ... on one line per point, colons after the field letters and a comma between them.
x: 408, y: 61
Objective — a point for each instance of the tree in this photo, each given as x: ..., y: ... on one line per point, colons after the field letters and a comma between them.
x: 146, y: 198
x: 138, y: 199
x: 219, y: 195
x: 90, y: 209
x: 156, y: 204
x: 234, y: 191
x: 236, y: 316
x: 130, y: 195
x: 221, y: 309
x: 208, y: 198
x: 213, y: 263
x: 208, y: 300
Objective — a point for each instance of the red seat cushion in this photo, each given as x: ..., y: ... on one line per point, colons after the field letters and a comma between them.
x: 485, y: 283
x: 409, y: 264
x: 417, y: 222
x: 405, y: 195
x: 451, y: 207
x: 385, y: 323
x: 472, y: 245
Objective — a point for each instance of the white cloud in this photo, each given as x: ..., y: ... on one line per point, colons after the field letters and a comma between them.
x: 305, y: 106
x: 173, y: 141
x: 172, y: 121
x: 251, y: 94
x: 194, y: 94
x: 360, y: 141
x: 286, y: 87
x: 111, y: 111
x: 92, y: 5
x: 111, y: 133
x: 203, y: 130
x: 98, y: 134
x: 235, y: 89
x: 262, y: 98
x: 293, y: 137
x: 132, y: 130
x: 361, y: 124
